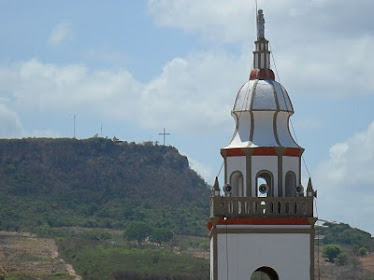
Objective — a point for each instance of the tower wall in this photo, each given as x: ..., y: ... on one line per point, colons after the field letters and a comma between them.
x: 233, y: 166
x: 289, y: 254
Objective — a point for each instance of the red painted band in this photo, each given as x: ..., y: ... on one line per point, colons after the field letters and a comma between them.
x: 261, y: 221
x: 263, y: 151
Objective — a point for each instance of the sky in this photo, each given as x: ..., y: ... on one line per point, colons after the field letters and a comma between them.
x: 131, y: 68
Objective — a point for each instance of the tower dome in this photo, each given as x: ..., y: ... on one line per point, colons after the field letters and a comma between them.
x: 262, y: 107
x: 262, y: 95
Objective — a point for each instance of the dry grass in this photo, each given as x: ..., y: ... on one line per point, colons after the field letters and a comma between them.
x: 23, y: 254
x: 367, y: 262
x: 357, y: 268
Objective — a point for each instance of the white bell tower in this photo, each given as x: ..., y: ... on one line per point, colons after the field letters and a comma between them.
x: 264, y: 224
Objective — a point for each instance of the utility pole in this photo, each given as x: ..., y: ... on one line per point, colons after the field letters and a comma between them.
x: 164, y: 134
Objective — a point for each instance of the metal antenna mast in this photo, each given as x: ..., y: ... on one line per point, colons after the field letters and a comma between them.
x: 74, y: 124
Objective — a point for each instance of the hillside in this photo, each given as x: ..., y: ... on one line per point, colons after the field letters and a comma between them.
x: 98, y: 183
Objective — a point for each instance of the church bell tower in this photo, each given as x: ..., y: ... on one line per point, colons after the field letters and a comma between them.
x: 261, y: 221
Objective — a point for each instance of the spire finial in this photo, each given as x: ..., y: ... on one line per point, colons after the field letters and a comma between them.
x: 261, y: 56
x: 215, y: 189
x: 260, y: 25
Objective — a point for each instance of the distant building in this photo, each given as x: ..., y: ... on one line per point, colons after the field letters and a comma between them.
x: 263, y: 226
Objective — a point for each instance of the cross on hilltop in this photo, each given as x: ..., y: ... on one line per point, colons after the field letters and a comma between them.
x: 164, y: 134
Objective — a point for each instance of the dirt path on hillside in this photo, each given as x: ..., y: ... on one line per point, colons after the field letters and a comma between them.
x: 25, y: 254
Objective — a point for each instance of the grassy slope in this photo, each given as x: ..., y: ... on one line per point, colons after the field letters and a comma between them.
x: 114, y: 258
x: 98, y: 183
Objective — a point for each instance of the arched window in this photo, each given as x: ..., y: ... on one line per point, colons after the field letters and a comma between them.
x: 264, y: 187
x: 264, y: 273
x: 290, y: 184
x: 236, y: 182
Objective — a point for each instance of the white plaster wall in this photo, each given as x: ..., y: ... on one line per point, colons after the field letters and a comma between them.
x: 288, y: 254
x: 235, y: 164
x: 241, y: 135
x: 269, y: 163
x: 263, y: 133
x: 284, y: 135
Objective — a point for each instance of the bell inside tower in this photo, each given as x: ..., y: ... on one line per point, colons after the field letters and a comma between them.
x: 265, y: 184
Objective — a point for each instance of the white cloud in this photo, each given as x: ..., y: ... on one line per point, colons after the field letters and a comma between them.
x: 345, y: 181
x: 192, y: 93
x: 320, y: 46
x: 231, y: 21
x: 60, y: 33
x: 34, y: 85
x: 219, y: 20
x: 10, y: 125
x: 196, y: 91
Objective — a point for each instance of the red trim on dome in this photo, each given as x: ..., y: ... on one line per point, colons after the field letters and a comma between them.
x: 261, y: 151
x: 260, y: 221
x: 235, y: 152
x: 264, y: 151
x: 262, y: 74
x: 293, y: 152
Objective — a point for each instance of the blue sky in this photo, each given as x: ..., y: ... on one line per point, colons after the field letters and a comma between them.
x: 135, y: 67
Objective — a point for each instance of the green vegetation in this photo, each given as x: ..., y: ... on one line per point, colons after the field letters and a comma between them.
x: 342, y: 259
x: 103, y: 260
x: 160, y: 235
x: 98, y: 183
x: 331, y: 251
x: 138, y: 231
x: 362, y: 251
x: 344, y: 235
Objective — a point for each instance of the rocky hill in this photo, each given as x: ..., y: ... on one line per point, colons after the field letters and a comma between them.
x: 98, y: 182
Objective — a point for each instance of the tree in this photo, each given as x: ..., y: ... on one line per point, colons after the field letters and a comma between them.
x: 362, y: 251
x: 138, y: 231
x: 160, y: 235
x: 331, y: 251
x: 341, y: 259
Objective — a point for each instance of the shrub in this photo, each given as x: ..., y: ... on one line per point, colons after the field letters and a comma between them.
x: 362, y: 251
x: 331, y: 251
x: 341, y: 259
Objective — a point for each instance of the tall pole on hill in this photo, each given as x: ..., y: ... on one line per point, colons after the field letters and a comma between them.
x: 164, y: 133
x: 75, y: 116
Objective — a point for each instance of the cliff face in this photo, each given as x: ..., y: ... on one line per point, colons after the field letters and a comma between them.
x: 100, y: 183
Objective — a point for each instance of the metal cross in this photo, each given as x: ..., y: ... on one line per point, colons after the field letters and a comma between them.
x: 164, y: 133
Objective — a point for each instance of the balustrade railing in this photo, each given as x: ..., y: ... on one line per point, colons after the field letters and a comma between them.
x: 261, y: 206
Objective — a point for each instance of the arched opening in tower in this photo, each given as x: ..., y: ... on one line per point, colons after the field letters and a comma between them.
x: 264, y: 273
x: 290, y: 184
x: 236, y: 182
x: 264, y: 180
